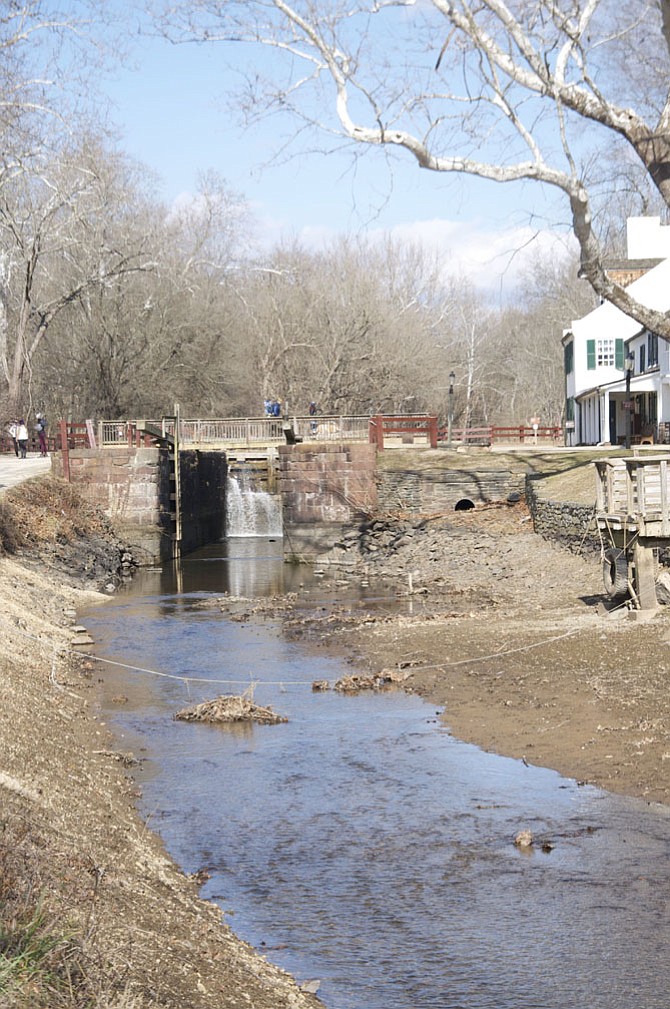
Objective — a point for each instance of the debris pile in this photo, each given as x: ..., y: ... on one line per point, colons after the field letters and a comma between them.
x: 230, y: 708
x: 375, y: 681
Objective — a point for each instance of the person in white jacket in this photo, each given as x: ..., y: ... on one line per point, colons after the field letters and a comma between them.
x: 22, y: 438
x: 12, y: 431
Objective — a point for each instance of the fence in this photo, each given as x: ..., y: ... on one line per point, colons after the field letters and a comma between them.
x: 521, y: 433
x: 407, y: 429
x: 381, y: 430
x: 238, y: 431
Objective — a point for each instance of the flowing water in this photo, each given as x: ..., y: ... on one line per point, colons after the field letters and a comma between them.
x: 251, y: 511
x: 361, y: 844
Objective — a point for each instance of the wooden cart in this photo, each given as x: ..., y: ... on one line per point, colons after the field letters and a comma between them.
x: 633, y: 515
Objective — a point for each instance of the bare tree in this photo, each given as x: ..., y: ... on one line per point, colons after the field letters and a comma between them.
x: 57, y: 244
x: 49, y: 53
x: 158, y: 333
x: 352, y: 327
x: 504, y: 91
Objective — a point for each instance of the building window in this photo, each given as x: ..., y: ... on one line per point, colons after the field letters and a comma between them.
x: 570, y: 409
x: 569, y: 358
x: 605, y: 353
x: 643, y: 358
x: 652, y: 349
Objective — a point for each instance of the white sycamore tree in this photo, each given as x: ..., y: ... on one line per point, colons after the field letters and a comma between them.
x: 572, y: 94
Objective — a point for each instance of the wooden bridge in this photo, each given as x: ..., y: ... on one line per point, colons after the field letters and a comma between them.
x: 239, y: 433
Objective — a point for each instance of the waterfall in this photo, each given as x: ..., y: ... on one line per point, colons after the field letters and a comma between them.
x: 249, y: 511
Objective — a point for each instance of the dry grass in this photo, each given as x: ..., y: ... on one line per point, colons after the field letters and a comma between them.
x: 46, y: 510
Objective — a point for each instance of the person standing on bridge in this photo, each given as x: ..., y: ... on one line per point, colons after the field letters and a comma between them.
x: 41, y: 428
x: 313, y: 410
x: 22, y: 438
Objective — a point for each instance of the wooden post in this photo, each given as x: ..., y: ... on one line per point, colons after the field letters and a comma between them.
x: 432, y: 431
x: 377, y: 431
x: 65, y: 449
x: 645, y: 576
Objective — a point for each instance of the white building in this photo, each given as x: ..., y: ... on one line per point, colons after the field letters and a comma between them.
x: 602, y: 347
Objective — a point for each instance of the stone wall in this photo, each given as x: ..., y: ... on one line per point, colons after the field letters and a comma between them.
x: 324, y: 489
x: 573, y: 525
x: 133, y: 486
x: 440, y: 490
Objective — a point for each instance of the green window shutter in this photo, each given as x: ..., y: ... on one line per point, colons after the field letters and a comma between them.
x: 618, y: 355
x: 568, y: 358
x: 570, y: 409
x: 591, y: 355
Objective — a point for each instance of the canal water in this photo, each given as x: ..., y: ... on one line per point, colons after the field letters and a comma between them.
x: 361, y: 844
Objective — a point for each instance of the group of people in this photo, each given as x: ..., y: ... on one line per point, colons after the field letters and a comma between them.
x: 18, y: 432
x: 272, y: 408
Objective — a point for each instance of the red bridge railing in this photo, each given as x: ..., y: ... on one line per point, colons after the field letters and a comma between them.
x: 406, y: 428
x: 489, y: 435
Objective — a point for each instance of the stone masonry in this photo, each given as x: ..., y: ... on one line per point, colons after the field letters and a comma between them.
x: 325, y: 488
x: 439, y: 490
x: 132, y: 486
x: 573, y: 525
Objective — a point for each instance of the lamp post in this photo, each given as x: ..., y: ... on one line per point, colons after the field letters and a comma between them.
x: 629, y: 365
x: 450, y: 407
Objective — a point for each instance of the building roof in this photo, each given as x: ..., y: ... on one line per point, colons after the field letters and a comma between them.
x: 625, y: 271
x: 607, y: 321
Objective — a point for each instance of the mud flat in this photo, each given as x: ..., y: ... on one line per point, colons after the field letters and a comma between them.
x: 509, y: 636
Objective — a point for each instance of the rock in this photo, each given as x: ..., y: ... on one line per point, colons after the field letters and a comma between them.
x: 663, y: 588
x: 524, y: 839
x: 311, y: 987
x: 81, y: 639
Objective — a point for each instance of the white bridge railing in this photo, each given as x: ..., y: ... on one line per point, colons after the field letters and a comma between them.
x: 240, y: 430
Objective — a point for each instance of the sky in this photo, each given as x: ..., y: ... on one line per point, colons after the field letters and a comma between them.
x: 169, y: 105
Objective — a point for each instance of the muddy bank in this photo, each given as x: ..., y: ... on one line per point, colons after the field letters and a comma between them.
x: 508, y: 635
x: 95, y: 913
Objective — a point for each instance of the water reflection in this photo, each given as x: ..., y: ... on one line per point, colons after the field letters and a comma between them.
x: 361, y: 844
x: 242, y: 566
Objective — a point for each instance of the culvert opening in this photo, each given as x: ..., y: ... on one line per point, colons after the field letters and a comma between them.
x: 464, y: 505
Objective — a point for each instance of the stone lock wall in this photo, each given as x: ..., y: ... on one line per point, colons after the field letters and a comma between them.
x: 133, y: 486
x: 440, y: 490
x: 573, y: 525
x: 324, y: 489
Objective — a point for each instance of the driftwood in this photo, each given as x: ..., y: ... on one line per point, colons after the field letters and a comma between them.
x: 376, y: 681
x: 230, y: 708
